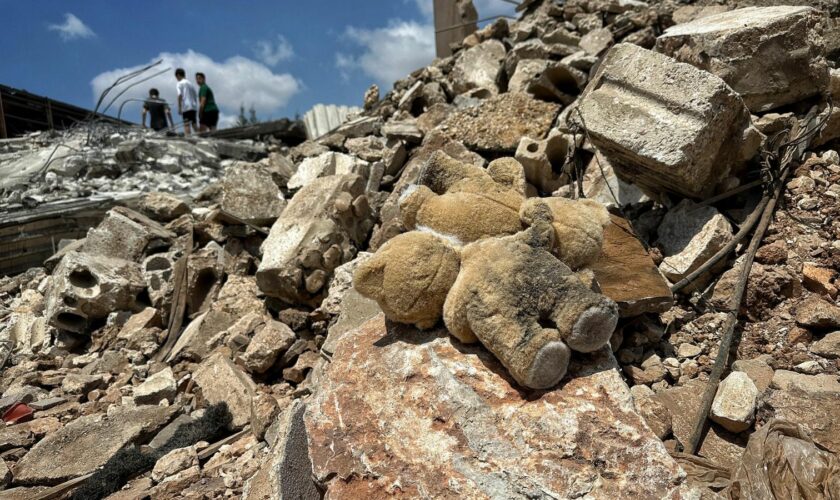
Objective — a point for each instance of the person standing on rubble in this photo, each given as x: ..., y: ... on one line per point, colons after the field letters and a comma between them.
x: 160, y: 117
x: 208, y: 112
x: 187, y: 101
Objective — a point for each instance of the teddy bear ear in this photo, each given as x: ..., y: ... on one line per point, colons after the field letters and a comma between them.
x: 410, y: 202
x: 370, y: 277
x: 509, y: 173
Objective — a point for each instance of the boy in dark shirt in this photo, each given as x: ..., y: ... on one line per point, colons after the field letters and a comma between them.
x: 158, y: 112
x: 208, y: 112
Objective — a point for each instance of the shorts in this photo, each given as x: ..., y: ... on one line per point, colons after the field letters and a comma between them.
x: 189, y: 117
x: 210, y: 118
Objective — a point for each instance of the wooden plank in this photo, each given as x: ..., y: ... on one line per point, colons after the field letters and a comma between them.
x: 179, y: 301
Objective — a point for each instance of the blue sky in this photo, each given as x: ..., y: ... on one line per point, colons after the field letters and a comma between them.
x: 277, y: 55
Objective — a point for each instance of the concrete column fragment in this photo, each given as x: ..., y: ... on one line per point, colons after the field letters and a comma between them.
x: 320, y: 229
x: 771, y: 56
x: 669, y: 127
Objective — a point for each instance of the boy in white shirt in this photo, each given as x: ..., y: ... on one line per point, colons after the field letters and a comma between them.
x: 187, y: 100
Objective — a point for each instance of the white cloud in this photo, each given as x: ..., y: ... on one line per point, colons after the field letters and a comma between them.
x: 72, y: 28
x: 389, y: 53
x: 272, y: 53
x: 237, y: 80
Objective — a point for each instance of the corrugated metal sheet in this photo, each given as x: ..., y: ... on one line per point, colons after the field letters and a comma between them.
x: 323, y: 118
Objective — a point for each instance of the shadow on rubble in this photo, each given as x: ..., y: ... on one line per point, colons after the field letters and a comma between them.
x: 131, y: 461
x: 582, y: 365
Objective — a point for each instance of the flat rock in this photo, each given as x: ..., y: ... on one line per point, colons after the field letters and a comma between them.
x: 498, y: 123
x: 221, y: 381
x: 626, y: 273
x: 163, y: 207
x: 734, y: 404
x: 828, y: 346
x: 157, y: 387
x: 744, y: 46
x: 689, y: 235
x: 87, y: 443
x: 251, y: 193
x: 757, y: 370
x: 478, y: 67
x: 404, y: 412
x: 817, y: 313
x: 809, y: 384
x: 269, y: 342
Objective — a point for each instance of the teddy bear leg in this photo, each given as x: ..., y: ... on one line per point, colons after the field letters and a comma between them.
x: 586, y: 319
x: 536, y: 357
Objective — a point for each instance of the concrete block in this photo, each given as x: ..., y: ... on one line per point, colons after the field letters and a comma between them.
x: 544, y: 160
x: 664, y: 125
x: 251, y: 193
x: 771, y: 56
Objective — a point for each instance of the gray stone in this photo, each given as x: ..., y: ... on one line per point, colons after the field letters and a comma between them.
x: 251, y: 193
x: 86, y: 287
x: 689, y: 235
x: 5, y: 474
x: 321, y: 228
x: 734, y: 404
x: 327, y: 164
x: 686, y: 350
x: 221, y: 381
x: 757, y: 369
x: 808, y: 384
x: 162, y: 385
x: 602, y: 185
x: 171, y: 430
x: 771, y: 56
x: 668, y: 127
x: 403, y: 131
x: 174, y: 462
x: 828, y: 346
x: 46, y: 404
x: 466, y: 428
x: 125, y: 234
x: 596, y: 41
x: 478, y: 68
x: 816, y: 411
x: 360, y: 127
x: 86, y: 443
x: 269, y: 342
x: 163, y: 207
x: 76, y: 383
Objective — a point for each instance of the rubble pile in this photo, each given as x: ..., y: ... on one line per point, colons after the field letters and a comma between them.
x: 474, y: 288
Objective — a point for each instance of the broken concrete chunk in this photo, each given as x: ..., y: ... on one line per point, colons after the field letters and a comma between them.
x: 407, y: 131
x: 734, y: 404
x: 498, y: 123
x: 596, y: 41
x: 174, y: 462
x: 162, y: 385
x: 221, y: 381
x: 601, y: 184
x: 86, y: 443
x: 163, y: 207
x: 544, y: 161
x: 786, y: 380
x: 325, y: 165
x: 76, y: 383
x: 689, y: 235
x: 126, y: 234
x: 828, y: 346
x: 479, y: 67
x: 817, y: 313
x: 671, y: 127
x: 328, y: 217
x: 86, y: 287
x: 251, y: 193
x: 548, y: 80
x: 771, y: 56
x: 504, y: 451
x: 269, y: 342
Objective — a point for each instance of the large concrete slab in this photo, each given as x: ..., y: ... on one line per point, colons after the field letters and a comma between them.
x: 771, y: 56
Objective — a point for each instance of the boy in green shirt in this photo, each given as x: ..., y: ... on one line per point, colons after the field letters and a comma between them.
x: 208, y: 112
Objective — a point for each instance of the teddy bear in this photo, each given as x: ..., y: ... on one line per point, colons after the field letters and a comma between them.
x: 466, y: 203
x: 510, y: 292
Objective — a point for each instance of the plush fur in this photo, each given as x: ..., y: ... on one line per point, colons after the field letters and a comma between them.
x: 409, y: 277
x: 578, y: 227
x: 508, y: 315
